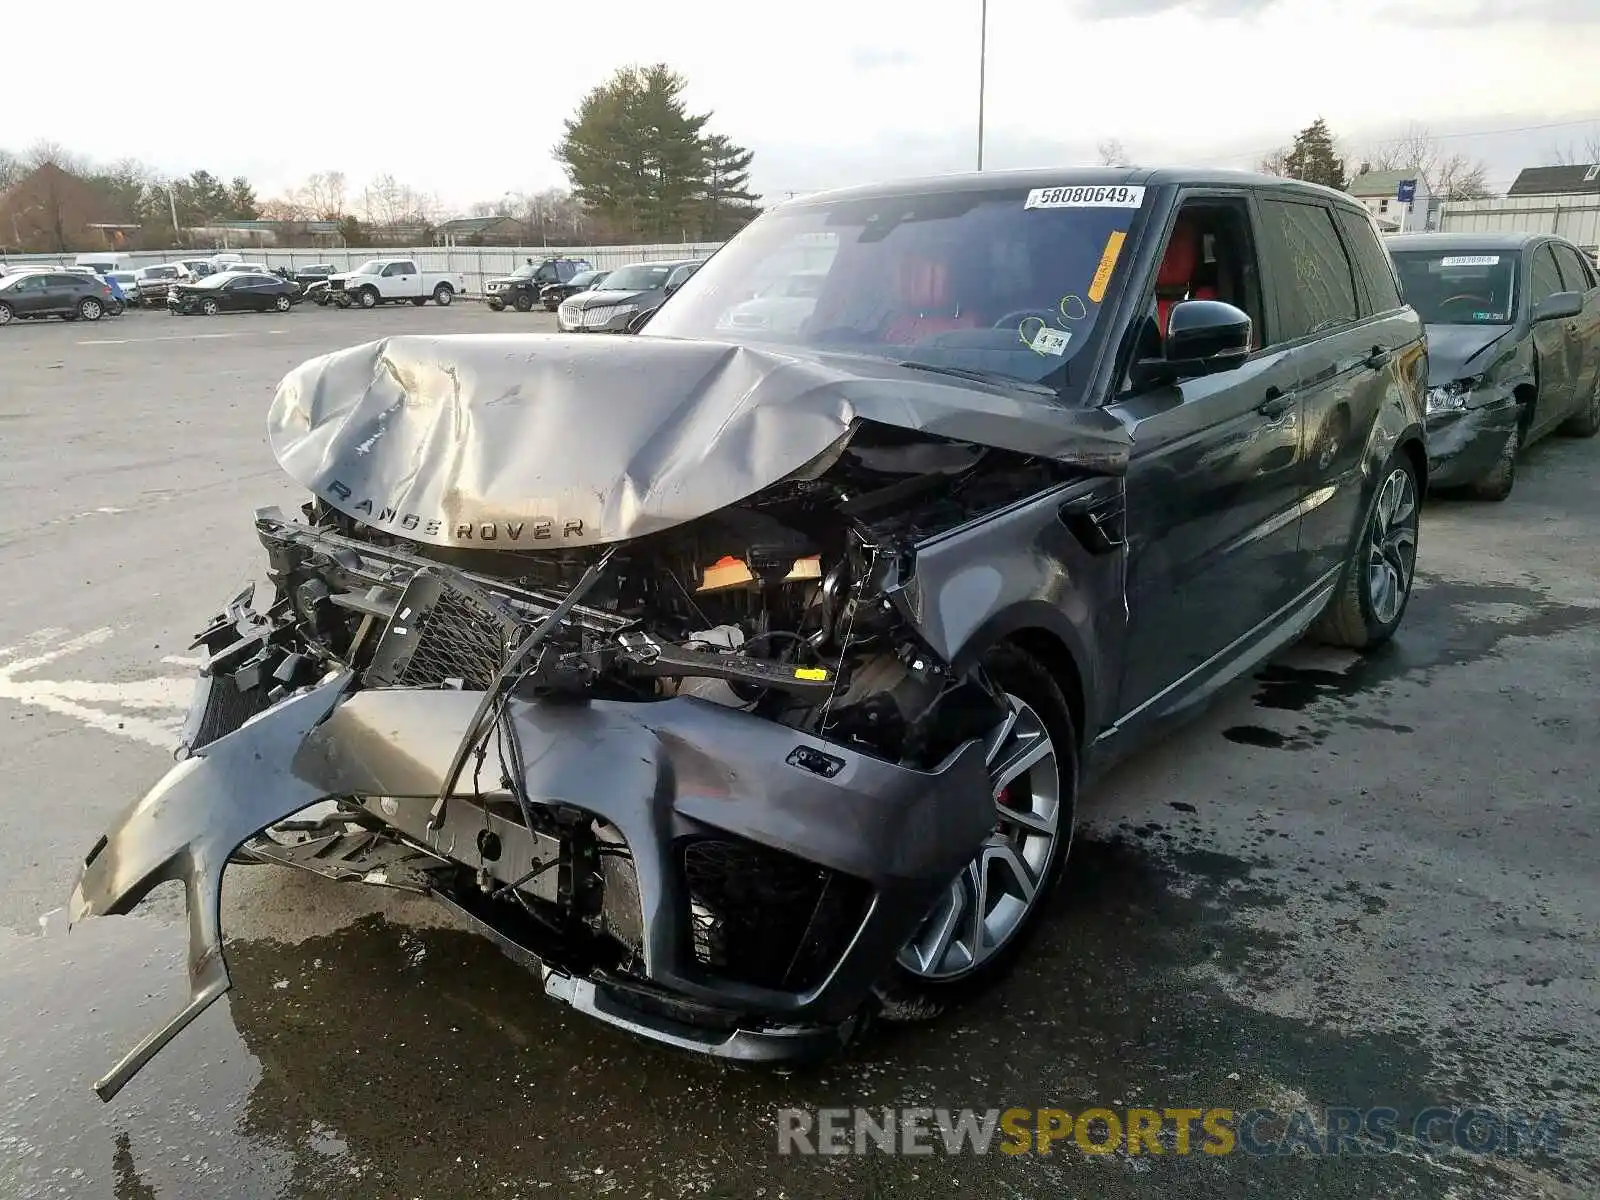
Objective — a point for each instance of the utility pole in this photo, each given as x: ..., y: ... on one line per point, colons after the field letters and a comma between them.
x: 177, y: 239
x: 983, y: 56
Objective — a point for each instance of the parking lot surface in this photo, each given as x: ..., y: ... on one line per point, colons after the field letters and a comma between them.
x: 1351, y: 883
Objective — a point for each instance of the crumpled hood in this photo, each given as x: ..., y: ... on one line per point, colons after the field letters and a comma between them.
x: 1455, y: 351
x: 530, y: 441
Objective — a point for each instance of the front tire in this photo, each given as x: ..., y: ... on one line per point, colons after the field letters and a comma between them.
x: 1376, y: 585
x: 524, y: 303
x: 210, y: 308
x: 443, y: 294
x: 1502, y: 477
x: 367, y: 298
x: 978, y: 927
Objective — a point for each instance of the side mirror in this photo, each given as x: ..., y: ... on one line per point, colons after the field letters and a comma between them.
x: 1204, y: 337
x: 1558, y: 306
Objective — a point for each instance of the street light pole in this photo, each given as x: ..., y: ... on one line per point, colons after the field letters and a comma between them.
x: 983, y: 56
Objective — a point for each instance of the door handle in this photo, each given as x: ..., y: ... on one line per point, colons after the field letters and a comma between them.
x: 1378, y: 358
x: 1276, y: 404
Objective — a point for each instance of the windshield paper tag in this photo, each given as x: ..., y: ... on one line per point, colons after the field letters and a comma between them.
x: 1108, y: 263
x: 1471, y: 260
x: 1050, y: 341
x: 1085, y: 197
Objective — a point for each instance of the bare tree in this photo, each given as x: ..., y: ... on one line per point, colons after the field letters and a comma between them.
x: 12, y: 169
x: 322, y: 196
x: 1274, y: 161
x: 1583, y: 154
x: 1448, y: 176
x: 1113, y: 153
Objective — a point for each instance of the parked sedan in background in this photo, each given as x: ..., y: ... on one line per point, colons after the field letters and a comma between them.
x: 628, y: 292
x: 1513, y: 325
x: 552, y: 294
x: 59, y: 293
x: 233, y: 291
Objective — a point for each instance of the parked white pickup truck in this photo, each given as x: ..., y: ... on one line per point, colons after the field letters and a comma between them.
x: 391, y: 280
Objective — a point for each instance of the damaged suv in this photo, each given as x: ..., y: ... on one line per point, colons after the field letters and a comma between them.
x: 743, y: 683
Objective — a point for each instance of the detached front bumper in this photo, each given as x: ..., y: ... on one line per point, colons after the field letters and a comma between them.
x: 728, y: 820
x: 1465, y: 443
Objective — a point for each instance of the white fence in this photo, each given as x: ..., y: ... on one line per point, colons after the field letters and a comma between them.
x: 1576, y: 218
x: 477, y: 263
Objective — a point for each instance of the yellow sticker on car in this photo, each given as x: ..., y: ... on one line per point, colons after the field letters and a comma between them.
x: 1108, y: 263
x: 810, y: 673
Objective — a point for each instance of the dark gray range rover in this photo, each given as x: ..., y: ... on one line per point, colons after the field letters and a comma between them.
x: 745, y: 688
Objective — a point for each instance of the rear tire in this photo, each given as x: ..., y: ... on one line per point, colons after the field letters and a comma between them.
x: 282, y: 303
x: 443, y: 294
x: 90, y: 309
x: 936, y: 969
x: 1587, y: 423
x: 1364, y: 611
x: 6, y: 313
x: 419, y: 301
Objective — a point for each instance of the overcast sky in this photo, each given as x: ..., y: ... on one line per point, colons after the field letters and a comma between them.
x: 467, y: 106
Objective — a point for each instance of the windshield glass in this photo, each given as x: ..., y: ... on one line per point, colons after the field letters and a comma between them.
x: 1462, y: 287
x: 525, y: 271
x: 1000, y: 282
x: 641, y: 277
x: 371, y: 267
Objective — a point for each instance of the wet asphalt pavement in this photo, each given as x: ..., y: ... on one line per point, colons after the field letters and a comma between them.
x: 1352, y: 883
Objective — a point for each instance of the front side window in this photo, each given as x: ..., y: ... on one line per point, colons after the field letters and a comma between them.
x: 1314, y: 279
x: 1003, y: 282
x: 1459, y: 287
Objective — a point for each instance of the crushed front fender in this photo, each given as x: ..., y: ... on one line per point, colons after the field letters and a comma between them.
x: 186, y: 828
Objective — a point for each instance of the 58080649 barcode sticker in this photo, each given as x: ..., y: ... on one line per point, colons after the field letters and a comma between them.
x: 1085, y: 197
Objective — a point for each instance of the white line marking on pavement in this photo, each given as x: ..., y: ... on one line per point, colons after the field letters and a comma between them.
x: 102, y: 706
x: 165, y: 337
x: 106, y: 342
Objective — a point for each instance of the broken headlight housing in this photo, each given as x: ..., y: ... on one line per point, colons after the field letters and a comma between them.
x: 1453, y: 395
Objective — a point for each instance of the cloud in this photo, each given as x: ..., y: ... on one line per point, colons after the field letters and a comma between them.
x: 880, y: 58
x: 1458, y: 15
x: 1120, y: 10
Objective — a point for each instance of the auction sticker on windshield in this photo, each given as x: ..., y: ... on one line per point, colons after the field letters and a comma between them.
x: 1085, y: 197
x: 1471, y: 260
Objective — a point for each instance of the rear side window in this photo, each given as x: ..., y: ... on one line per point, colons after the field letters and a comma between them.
x: 1315, y: 283
x: 1373, y: 268
x: 1575, y: 273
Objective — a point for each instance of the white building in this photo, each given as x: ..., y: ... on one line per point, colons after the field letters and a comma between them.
x: 1379, y: 192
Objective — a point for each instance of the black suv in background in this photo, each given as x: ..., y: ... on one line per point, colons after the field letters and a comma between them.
x: 552, y: 294
x: 1513, y: 348
x: 520, y: 289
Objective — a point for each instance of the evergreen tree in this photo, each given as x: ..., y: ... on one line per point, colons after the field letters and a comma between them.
x: 1312, y: 157
x: 729, y: 201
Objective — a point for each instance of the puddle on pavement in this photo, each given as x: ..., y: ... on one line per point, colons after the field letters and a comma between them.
x: 387, y: 1060
x: 1449, y: 624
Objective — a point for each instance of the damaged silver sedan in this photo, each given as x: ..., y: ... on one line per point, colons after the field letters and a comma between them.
x: 742, y: 682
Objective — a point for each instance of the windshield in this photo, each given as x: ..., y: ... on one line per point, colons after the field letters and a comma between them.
x: 122, y: 276
x: 641, y: 277
x: 1462, y: 287
x: 999, y: 282
x: 371, y: 267
x: 525, y: 271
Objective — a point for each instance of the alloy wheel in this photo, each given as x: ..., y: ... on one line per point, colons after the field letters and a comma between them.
x: 282, y: 303
x: 990, y: 900
x: 209, y: 308
x: 1392, y: 546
